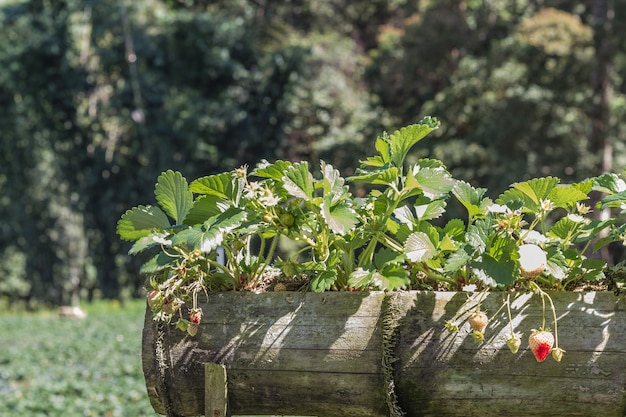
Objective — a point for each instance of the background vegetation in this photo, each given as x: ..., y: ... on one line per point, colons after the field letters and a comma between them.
x: 100, y: 96
x: 74, y: 368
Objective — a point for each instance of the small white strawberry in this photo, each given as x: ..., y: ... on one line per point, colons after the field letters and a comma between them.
x: 532, y: 260
x: 478, y: 320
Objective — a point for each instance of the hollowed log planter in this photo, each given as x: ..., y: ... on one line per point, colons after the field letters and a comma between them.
x: 388, y: 354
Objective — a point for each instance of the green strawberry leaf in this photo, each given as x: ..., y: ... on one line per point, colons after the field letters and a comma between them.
x: 566, y: 196
x: 205, y: 207
x: 593, y: 269
x: 433, y: 182
x: 146, y: 242
x: 556, y: 265
x: 455, y: 228
x: 211, y: 234
x: 387, y: 256
x: 608, y: 183
x: 617, y: 200
x: 274, y: 171
x: 418, y: 247
x: 458, y: 259
x: 403, y: 140
x: 384, y: 176
x: 298, y: 181
x: 471, y: 198
x: 493, y: 272
x: 221, y: 185
x: 333, y: 184
x: 340, y: 218
x: 158, y: 263
x: 530, y: 192
x: 323, y: 280
x: 361, y: 278
x: 141, y: 221
x: 391, y: 277
x: 172, y: 193
x: 564, y: 229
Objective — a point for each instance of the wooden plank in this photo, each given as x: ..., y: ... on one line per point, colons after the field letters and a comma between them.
x: 321, y: 354
x: 323, y: 350
x: 215, y: 390
x: 441, y: 374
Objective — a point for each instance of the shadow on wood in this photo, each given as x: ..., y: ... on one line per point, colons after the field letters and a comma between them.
x: 329, y: 355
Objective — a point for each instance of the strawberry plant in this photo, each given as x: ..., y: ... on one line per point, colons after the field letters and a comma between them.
x: 222, y: 232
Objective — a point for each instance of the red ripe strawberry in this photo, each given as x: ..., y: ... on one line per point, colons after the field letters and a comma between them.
x: 478, y: 320
x: 540, y: 342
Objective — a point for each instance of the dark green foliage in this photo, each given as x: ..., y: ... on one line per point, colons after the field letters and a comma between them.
x: 99, y: 97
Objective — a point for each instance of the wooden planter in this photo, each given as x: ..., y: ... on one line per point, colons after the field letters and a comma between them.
x: 387, y: 354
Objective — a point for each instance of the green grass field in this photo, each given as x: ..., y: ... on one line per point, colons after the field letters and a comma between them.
x: 51, y: 366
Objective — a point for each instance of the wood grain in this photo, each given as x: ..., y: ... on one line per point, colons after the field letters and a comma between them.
x: 321, y: 355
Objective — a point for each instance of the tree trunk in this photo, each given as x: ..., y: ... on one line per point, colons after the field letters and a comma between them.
x: 599, y: 142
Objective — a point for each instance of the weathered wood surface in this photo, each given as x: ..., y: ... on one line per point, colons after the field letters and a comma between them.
x: 322, y: 354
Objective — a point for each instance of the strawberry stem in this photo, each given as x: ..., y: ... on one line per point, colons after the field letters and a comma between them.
x: 544, y: 294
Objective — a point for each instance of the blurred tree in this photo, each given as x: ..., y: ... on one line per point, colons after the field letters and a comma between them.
x: 101, y: 97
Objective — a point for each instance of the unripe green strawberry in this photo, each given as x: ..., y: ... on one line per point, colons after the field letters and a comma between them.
x: 192, y: 330
x: 478, y: 320
x: 541, y: 342
x: 557, y: 354
x: 280, y: 287
x: 154, y: 299
x: 169, y: 307
x: 514, y: 343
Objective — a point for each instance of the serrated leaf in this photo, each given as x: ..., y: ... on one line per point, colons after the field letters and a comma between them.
x: 274, y: 171
x: 206, y: 207
x: 221, y: 185
x: 477, y: 235
x: 556, y: 264
x: 471, y: 198
x: 211, y: 234
x: 538, y: 188
x: 608, y: 183
x: 455, y: 228
x: 593, y: 269
x: 141, y: 221
x: 391, y: 277
x: 564, y: 229
x: 298, y: 181
x: 566, y: 196
x: 405, y: 216
x: 447, y: 244
x: 418, y: 247
x: 144, y: 243
x: 403, y: 140
x: 158, y: 263
x: 333, y: 183
x: 432, y: 210
x: 323, y: 281
x: 457, y: 260
x: 433, y: 182
x: 493, y: 272
x: 383, y: 147
x: 386, y: 256
x: 173, y: 195
x: 361, y: 278
x: 340, y: 218
x: 617, y: 200
x: 383, y: 176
